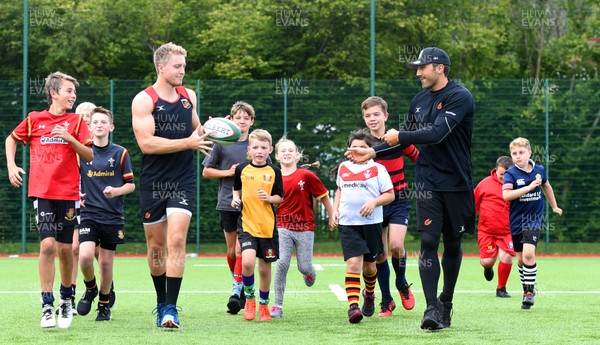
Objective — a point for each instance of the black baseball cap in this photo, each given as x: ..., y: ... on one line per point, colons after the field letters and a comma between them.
x: 430, y: 55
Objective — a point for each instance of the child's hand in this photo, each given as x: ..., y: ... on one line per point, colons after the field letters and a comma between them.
x: 109, y: 192
x: 236, y: 202
x: 535, y: 183
x: 368, y: 208
x: 62, y: 132
x: 231, y: 171
x: 264, y: 196
x: 14, y: 176
x: 557, y: 210
x: 333, y: 220
x: 82, y: 199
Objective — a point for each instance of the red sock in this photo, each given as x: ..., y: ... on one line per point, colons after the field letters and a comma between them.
x: 503, y: 273
x: 231, y: 263
x: 237, y: 271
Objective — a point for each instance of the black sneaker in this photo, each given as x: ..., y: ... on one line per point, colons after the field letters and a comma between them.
x: 488, y: 273
x: 112, y: 296
x: 103, y: 312
x: 502, y: 293
x: 368, y: 308
x: 431, y: 319
x: 85, y: 303
x: 242, y: 299
x: 527, y: 300
x: 445, y: 314
x: 234, y: 305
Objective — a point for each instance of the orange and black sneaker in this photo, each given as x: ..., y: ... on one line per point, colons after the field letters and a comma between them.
x: 250, y: 309
x: 263, y: 312
x: 386, y: 308
x: 407, y: 297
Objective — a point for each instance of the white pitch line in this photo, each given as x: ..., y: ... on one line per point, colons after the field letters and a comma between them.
x: 318, y: 267
x: 338, y: 292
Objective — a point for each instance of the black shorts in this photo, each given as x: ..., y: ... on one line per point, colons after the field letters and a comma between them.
x: 448, y: 213
x: 105, y: 235
x: 154, y: 203
x: 362, y: 240
x: 229, y: 220
x: 266, y: 248
x: 529, y: 236
x: 55, y: 218
x: 396, y: 212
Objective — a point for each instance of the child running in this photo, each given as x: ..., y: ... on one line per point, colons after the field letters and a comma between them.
x: 296, y: 218
x: 363, y: 188
x: 257, y: 188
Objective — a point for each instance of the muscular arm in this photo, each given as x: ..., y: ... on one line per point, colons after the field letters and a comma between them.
x: 143, y: 128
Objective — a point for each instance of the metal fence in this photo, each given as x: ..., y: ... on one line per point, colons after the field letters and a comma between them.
x: 559, y: 117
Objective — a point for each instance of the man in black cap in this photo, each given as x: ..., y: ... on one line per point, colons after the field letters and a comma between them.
x: 440, y: 122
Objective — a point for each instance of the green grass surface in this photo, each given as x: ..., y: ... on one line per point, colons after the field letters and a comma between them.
x: 566, y: 309
x: 322, y: 247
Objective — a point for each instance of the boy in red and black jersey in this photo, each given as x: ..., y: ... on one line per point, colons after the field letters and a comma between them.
x: 55, y: 138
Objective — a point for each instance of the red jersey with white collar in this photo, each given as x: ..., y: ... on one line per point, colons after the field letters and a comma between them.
x: 54, y: 168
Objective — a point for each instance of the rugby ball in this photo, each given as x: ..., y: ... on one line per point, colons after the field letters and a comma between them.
x: 222, y: 131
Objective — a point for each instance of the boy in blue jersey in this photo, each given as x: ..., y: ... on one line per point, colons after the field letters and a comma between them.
x: 523, y: 187
x: 104, y: 183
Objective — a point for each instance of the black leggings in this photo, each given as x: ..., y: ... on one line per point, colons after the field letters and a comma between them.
x: 429, y: 266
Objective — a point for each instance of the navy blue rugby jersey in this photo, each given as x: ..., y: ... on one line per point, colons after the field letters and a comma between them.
x: 111, y: 166
x: 172, y: 120
x: 527, y: 211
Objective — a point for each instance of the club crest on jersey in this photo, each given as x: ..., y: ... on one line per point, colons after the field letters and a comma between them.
x: 267, y: 178
x: 439, y: 106
x: 186, y: 103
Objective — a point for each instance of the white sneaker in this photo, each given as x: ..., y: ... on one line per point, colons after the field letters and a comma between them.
x: 48, y: 319
x: 65, y: 313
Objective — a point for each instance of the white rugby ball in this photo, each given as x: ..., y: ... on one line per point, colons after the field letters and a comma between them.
x: 222, y: 131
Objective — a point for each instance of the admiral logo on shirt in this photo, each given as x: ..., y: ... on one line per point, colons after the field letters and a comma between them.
x: 51, y: 140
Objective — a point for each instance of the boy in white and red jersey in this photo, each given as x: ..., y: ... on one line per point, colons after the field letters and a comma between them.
x: 363, y: 188
x: 55, y: 138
